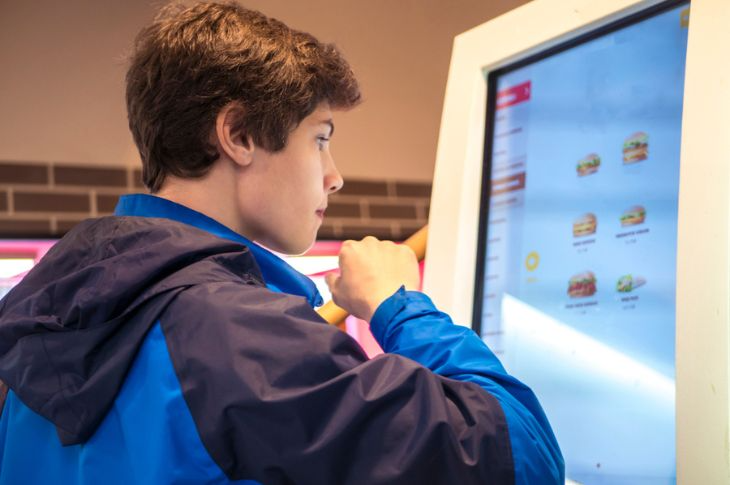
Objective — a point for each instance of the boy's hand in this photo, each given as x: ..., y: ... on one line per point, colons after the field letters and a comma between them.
x: 370, y: 272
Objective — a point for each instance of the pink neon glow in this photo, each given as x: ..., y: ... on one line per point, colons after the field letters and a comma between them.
x: 25, y: 248
x: 21, y: 249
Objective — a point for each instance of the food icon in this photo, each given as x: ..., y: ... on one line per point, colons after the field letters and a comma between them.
x: 582, y: 285
x: 628, y: 283
x: 636, y: 148
x: 588, y: 165
x: 585, y: 225
x: 633, y: 216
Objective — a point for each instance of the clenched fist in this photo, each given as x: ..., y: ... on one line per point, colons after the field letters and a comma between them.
x: 371, y: 271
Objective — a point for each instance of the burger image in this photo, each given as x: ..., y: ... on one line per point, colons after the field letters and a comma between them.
x: 628, y: 283
x: 588, y: 165
x: 585, y: 225
x: 582, y: 285
x: 633, y: 215
x: 636, y: 148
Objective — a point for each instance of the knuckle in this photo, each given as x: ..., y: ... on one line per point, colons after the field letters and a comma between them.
x: 406, y: 250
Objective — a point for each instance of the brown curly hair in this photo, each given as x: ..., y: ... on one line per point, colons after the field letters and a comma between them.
x: 192, y: 61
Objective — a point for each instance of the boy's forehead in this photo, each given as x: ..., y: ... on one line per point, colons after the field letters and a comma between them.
x: 321, y: 113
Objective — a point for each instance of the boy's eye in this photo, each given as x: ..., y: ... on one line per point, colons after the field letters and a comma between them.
x: 322, y: 141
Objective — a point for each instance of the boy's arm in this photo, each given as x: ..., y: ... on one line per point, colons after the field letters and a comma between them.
x: 408, y: 324
x: 280, y: 397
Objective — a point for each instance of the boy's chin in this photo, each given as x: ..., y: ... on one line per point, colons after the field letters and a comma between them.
x: 292, y: 246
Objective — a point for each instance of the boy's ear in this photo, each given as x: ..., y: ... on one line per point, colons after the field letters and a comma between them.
x: 233, y: 143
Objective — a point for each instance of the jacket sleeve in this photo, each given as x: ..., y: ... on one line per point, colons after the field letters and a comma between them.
x: 409, y: 324
x: 279, y: 397
x: 3, y: 396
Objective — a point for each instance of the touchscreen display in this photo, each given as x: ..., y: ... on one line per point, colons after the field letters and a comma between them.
x: 576, y: 280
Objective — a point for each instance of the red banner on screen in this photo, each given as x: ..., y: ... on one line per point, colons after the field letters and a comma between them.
x: 508, y: 184
x: 514, y: 95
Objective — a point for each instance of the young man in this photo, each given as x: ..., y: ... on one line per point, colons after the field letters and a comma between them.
x: 163, y: 346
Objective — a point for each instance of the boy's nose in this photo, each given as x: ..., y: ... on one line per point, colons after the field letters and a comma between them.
x: 333, y: 179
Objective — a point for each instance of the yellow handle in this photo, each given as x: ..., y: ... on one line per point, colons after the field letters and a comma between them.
x: 335, y: 315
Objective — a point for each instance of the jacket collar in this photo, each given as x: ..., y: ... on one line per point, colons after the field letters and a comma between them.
x: 278, y: 275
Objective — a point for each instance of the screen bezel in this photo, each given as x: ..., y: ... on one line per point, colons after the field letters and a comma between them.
x: 490, y: 113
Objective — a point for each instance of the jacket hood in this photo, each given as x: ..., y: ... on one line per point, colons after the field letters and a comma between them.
x: 70, y: 330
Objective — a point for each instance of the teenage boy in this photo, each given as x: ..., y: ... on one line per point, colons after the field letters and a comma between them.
x: 162, y: 345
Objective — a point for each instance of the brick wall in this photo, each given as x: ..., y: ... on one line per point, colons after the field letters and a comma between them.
x: 41, y: 200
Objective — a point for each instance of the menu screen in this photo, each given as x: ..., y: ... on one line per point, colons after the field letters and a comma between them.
x: 576, y: 280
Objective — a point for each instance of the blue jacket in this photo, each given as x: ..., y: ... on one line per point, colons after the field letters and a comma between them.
x: 159, y: 347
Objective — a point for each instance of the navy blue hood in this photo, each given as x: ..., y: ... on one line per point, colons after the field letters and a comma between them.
x: 70, y: 330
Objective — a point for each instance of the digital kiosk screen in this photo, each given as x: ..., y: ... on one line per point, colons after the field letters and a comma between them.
x: 576, y: 269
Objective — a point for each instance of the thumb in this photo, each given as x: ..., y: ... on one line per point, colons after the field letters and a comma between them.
x: 331, y: 279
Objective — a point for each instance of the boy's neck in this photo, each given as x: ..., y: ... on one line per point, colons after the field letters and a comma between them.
x: 213, y: 195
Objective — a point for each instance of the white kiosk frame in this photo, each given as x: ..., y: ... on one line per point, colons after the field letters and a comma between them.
x: 703, y: 256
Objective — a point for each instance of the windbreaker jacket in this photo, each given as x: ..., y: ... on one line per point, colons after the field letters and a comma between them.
x: 159, y: 347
